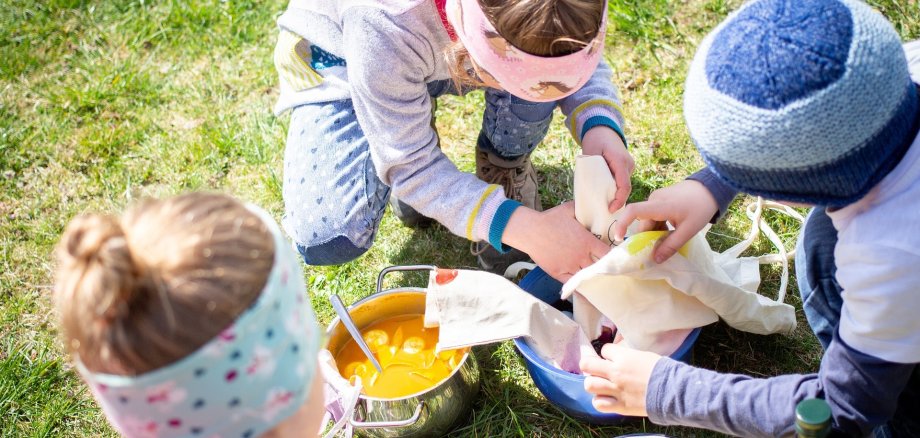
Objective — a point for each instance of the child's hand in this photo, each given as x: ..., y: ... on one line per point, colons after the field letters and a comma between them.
x: 687, y: 205
x: 603, y: 141
x: 619, y: 382
x: 554, y: 239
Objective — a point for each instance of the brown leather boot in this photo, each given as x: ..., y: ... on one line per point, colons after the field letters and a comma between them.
x: 519, y: 179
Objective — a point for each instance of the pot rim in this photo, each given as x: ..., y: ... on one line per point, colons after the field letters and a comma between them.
x: 420, y: 290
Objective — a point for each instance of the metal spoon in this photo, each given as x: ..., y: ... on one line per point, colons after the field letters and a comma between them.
x: 349, y: 324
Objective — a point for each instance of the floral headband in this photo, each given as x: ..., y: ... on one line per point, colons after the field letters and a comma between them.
x: 530, y: 77
x: 250, y: 377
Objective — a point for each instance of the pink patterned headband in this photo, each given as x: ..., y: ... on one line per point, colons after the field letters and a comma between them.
x: 530, y: 77
x: 252, y: 376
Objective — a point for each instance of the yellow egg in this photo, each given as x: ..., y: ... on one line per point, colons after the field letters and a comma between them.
x: 413, y: 345
x: 405, y: 350
x: 641, y: 241
x: 376, y: 338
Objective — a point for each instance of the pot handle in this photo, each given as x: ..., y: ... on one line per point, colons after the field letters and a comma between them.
x: 396, y: 423
x: 386, y: 271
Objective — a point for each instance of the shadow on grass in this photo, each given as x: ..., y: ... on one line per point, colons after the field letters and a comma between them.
x: 435, y: 245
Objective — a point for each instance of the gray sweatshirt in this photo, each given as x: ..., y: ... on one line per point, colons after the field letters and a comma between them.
x: 391, y: 50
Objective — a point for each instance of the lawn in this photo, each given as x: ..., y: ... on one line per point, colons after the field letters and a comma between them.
x: 106, y: 102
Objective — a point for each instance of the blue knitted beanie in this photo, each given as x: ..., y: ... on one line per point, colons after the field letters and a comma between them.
x: 805, y: 101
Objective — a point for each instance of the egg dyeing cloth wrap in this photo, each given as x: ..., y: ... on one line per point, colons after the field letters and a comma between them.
x: 530, y: 77
x: 655, y: 306
x: 253, y: 375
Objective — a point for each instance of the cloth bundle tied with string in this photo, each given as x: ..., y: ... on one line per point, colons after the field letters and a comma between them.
x: 654, y: 306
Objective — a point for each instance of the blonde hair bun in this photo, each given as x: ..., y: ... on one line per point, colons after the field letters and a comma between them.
x: 144, y: 290
x: 94, y: 250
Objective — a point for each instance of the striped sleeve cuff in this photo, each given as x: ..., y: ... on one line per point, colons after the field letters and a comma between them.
x: 500, y: 222
x: 487, y: 214
x: 477, y: 224
x: 595, y: 109
x: 603, y: 121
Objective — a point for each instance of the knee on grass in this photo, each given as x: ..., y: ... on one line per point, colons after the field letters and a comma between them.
x: 335, y: 251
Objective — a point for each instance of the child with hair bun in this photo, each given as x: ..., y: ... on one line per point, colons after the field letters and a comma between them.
x: 189, y: 317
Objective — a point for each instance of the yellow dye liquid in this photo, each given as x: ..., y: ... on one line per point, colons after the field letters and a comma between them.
x: 405, y: 350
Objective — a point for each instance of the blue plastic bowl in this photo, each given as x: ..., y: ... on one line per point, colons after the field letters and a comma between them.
x: 567, y: 390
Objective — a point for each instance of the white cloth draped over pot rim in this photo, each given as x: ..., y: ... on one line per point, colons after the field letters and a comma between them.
x: 476, y: 308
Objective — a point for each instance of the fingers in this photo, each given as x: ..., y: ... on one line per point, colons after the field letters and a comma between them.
x: 650, y: 225
x: 606, y: 392
x: 607, y: 404
x: 559, y: 274
x: 611, y: 351
x: 641, y: 226
x: 647, y: 210
x: 601, y: 386
x: 627, y: 216
x: 597, y: 249
x: 622, y: 168
x: 595, y: 366
x: 665, y: 248
x: 620, y: 198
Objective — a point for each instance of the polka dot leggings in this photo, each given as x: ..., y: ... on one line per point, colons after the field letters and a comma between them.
x: 333, y: 198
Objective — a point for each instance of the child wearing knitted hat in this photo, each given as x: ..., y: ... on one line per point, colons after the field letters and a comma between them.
x: 189, y: 317
x: 811, y: 103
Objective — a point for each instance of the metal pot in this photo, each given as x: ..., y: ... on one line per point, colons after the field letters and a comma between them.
x: 432, y: 412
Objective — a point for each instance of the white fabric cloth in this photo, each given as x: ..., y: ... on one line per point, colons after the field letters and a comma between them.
x: 594, y: 190
x: 341, y: 398
x: 655, y: 305
x: 475, y: 308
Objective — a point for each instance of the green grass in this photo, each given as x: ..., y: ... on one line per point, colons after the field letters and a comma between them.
x: 103, y: 103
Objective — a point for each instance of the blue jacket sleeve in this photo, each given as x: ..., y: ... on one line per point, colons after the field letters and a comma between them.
x: 862, y: 391
x: 722, y: 192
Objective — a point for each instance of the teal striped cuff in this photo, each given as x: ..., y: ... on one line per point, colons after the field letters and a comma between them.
x: 603, y: 121
x: 499, y: 222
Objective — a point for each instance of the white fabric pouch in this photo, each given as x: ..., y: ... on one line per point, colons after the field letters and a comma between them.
x: 476, y: 308
x: 654, y: 305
